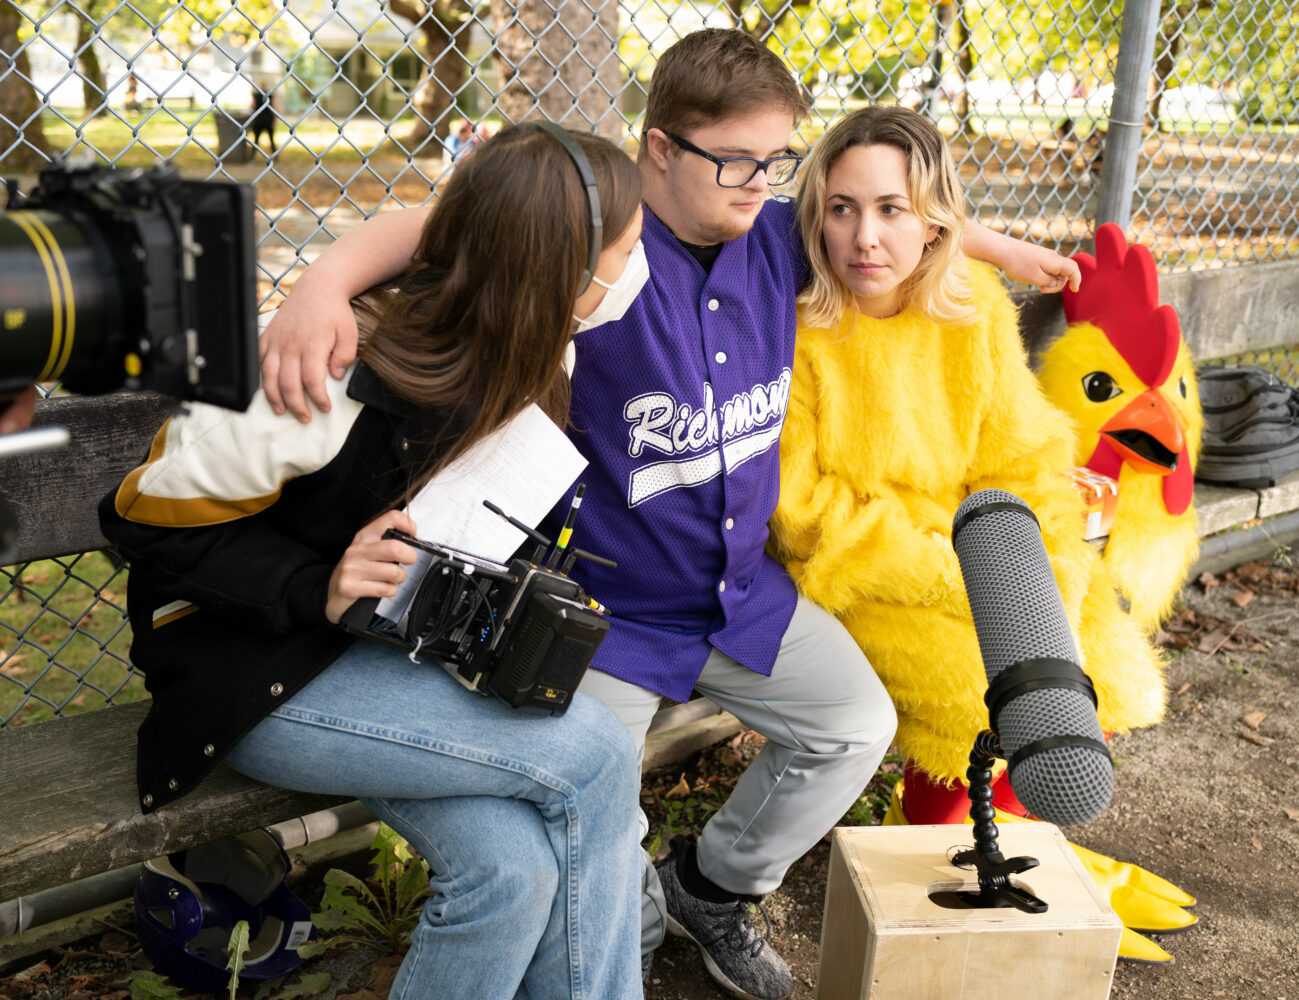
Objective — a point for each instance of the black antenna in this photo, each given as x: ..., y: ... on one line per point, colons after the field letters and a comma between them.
x: 542, y: 541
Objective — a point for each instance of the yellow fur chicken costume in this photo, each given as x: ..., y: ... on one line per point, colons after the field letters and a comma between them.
x: 891, y: 424
x: 1123, y: 373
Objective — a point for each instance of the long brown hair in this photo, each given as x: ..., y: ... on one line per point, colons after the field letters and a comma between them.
x: 476, y: 329
x: 939, y: 286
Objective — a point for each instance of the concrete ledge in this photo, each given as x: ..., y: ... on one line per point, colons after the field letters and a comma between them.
x: 1279, y: 499
x: 1219, y: 508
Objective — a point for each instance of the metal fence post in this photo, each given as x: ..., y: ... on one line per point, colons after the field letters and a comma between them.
x: 1128, y: 111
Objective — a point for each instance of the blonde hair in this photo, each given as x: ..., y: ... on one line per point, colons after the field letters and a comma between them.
x: 939, y: 286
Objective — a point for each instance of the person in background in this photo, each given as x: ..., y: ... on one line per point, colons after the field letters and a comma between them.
x: 249, y: 536
x: 462, y: 141
x: 262, y: 117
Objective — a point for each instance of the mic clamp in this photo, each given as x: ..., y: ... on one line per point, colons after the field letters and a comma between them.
x: 994, y: 869
x: 1030, y: 675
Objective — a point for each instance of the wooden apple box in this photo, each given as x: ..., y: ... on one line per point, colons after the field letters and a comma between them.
x: 883, y: 938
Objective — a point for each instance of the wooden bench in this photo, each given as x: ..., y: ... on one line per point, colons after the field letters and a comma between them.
x: 67, y: 785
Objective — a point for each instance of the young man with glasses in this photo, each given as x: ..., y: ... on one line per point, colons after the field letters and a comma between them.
x: 678, y: 403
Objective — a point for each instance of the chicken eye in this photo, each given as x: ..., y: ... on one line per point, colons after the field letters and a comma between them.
x: 1181, y: 386
x: 1099, y: 386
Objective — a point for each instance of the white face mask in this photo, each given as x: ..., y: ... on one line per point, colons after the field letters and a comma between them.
x: 621, y: 294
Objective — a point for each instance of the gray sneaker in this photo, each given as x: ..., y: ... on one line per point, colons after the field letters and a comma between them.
x: 737, y: 956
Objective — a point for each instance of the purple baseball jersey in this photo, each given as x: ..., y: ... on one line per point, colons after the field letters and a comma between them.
x: 678, y: 408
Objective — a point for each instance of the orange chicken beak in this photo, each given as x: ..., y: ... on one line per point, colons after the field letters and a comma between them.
x: 1147, y: 434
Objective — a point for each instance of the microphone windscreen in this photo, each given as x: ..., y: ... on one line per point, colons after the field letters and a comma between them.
x: 1019, y: 617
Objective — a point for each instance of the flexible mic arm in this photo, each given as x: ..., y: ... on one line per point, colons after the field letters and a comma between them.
x: 994, y: 869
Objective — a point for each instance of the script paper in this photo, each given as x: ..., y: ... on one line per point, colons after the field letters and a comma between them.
x: 524, y: 468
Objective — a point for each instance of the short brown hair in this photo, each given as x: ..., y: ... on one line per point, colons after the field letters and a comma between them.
x: 715, y: 73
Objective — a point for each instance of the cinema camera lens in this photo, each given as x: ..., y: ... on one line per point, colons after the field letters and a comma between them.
x: 131, y: 279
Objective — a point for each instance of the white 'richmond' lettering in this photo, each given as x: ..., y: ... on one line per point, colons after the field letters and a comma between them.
x: 706, y: 437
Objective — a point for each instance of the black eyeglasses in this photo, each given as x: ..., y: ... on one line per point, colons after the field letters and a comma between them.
x: 737, y: 171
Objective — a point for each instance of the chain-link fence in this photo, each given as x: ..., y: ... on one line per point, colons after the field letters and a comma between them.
x: 1177, y: 118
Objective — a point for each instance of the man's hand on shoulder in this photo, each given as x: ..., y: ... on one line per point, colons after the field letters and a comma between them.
x: 1032, y: 264
x: 1022, y: 261
x: 311, y: 337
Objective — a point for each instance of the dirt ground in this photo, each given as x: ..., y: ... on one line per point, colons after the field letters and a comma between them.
x: 1208, y: 799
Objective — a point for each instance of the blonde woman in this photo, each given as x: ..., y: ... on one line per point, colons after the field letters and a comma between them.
x: 911, y: 390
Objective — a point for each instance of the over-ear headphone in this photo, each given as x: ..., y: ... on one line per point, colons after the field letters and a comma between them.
x: 565, y: 138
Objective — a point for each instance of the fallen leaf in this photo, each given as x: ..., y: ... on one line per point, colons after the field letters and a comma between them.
x: 1207, y: 580
x: 730, y: 757
x: 1253, y: 719
x: 1261, y: 741
x: 1258, y: 844
x: 1292, y: 813
x: 382, y: 973
x: 1242, y: 599
x: 1253, y: 571
x: 680, y: 790
x: 1183, y: 688
x: 1210, y: 642
x: 32, y: 972
x: 114, y: 943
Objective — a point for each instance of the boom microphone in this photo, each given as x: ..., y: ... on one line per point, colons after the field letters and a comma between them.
x: 1040, y: 702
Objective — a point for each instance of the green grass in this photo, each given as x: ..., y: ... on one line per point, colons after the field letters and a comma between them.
x: 63, y: 639
x: 188, y: 138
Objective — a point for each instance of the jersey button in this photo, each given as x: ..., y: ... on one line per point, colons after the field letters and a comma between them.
x: 730, y: 523
x: 720, y: 357
x: 721, y: 587
x: 713, y: 305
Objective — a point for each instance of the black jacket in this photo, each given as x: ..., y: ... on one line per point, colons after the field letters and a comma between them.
x: 254, y: 570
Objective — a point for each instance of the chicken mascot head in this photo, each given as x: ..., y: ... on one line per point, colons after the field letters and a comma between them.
x: 1124, y: 374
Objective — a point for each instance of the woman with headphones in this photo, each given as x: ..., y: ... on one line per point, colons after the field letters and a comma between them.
x: 249, y: 535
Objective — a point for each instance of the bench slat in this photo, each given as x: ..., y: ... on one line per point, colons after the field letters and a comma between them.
x: 68, y: 793
x: 54, y: 494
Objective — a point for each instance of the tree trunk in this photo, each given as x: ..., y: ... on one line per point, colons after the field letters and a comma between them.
x: 447, y: 67
x: 736, y: 10
x: 965, y: 63
x: 1170, y: 42
x: 559, y: 62
x: 1169, y: 45
x: 93, y: 88
x: 23, y: 147
x: 943, y: 13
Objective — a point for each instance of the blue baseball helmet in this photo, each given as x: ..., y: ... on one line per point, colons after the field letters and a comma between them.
x: 187, y: 904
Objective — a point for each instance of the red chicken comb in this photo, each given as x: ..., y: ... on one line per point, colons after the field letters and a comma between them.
x: 1119, y: 293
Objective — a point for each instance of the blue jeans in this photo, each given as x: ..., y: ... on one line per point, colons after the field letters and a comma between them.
x: 528, y: 822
